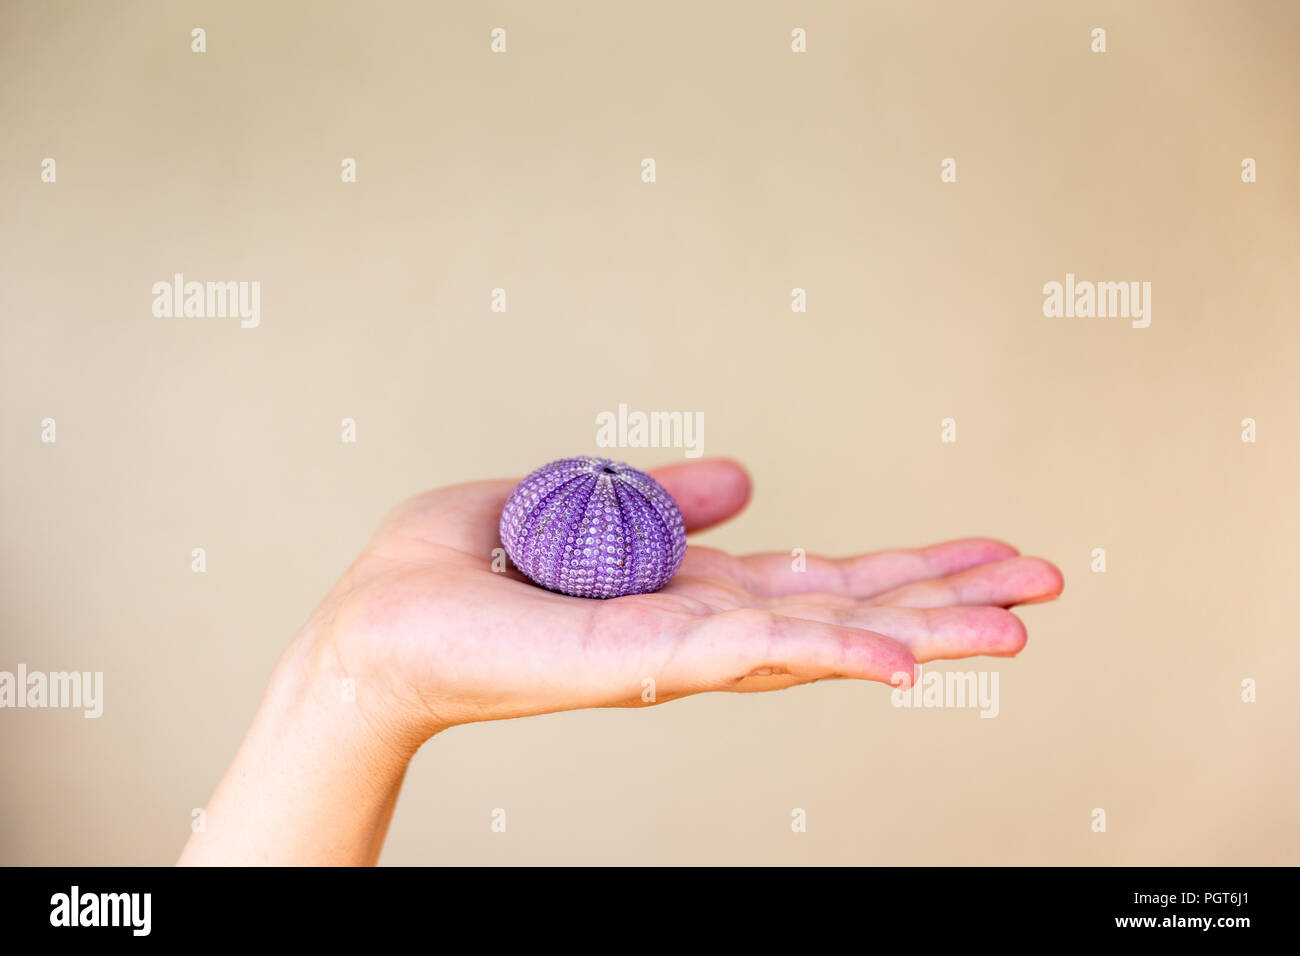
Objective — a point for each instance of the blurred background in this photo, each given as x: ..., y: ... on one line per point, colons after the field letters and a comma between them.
x: 774, y: 171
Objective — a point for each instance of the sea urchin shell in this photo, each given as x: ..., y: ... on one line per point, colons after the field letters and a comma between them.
x: 593, y: 528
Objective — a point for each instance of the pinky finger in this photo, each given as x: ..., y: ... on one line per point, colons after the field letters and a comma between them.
x: 725, y: 649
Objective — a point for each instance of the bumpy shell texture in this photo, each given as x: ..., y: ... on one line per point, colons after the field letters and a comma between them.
x: 593, y: 528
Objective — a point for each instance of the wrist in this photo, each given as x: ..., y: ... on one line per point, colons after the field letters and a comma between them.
x: 350, y: 703
x: 316, y: 778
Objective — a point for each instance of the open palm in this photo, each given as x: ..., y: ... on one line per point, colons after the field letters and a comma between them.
x: 424, y: 624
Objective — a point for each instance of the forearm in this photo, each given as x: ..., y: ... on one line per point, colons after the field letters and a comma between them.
x: 313, y: 781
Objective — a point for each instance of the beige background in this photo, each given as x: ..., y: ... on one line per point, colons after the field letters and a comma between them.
x: 775, y: 170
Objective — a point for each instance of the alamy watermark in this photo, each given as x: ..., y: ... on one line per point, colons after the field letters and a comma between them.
x: 633, y: 429
x: 1098, y: 300
x: 947, y: 689
x: 208, y: 300
x: 61, y: 689
x: 129, y: 910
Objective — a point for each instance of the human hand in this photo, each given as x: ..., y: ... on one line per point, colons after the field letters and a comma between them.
x: 420, y: 634
x: 437, y: 638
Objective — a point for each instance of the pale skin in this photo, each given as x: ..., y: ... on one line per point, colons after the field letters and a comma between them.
x: 421, y: 635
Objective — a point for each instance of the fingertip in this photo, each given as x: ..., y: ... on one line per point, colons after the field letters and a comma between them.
x: 708, y: 491
x: 887, y: 661
x: 904, y: 675
x: 1001, y: 547
x: 1060, y: 580
x: 1002, y: 634
x: 1015, y: 638
x: 1052, y: 582
x: 732, y: 478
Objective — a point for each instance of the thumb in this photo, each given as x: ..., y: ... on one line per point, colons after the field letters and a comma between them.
x: 708, y: 491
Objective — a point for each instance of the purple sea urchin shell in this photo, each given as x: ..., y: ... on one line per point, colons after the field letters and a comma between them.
x: 593, y: 528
